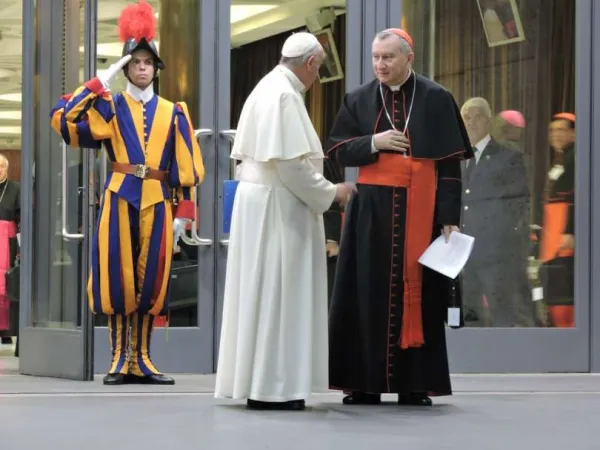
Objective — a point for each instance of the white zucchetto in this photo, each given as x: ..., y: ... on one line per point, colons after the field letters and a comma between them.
x: 299, y: 44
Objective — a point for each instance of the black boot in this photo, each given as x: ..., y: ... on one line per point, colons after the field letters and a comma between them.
x: 362, y: 398
x: 292, y: 405
x: 414, y: 399
x: 114, y: 379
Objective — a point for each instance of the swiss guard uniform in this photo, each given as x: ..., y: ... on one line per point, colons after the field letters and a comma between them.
x: 152, y: 148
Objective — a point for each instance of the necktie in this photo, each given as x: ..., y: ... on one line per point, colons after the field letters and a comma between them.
x: 471, y: 163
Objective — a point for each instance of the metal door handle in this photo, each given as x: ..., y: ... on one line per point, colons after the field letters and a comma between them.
x: 229, y: 134
x: 224, y: 242
x: 63, y: 204
x: 203, y: 132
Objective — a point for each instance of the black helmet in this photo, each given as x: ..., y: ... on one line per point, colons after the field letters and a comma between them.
x: 132, y: 45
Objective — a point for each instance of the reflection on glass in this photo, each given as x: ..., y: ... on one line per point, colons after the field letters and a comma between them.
x: 518, y: 191
x: 10, y: 159
x: 58, y: 288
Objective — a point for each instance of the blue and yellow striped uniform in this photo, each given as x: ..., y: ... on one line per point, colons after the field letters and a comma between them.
x: 132, y: 245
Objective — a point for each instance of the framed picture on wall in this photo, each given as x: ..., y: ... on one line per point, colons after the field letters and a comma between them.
x: 501, y: 21
x: 331, y: 69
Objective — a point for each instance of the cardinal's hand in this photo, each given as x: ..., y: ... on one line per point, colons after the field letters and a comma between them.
x: 449, y: 229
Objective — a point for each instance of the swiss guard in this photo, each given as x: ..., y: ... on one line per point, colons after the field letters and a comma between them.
x: 152, y: 149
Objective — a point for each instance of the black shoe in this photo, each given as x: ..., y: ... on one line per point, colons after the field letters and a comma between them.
x: 157, y: 379
x: 7, y: 341
x: 362, y: 398
x: 114, y: 379
x: 414, y: 400
x: 292, y: 405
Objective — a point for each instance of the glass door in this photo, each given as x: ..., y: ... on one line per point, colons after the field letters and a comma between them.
x: 57, y: 214
x: 182, y: 341
x: 526, y: 288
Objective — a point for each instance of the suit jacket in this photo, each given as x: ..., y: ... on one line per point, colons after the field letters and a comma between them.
x: 496, y: 205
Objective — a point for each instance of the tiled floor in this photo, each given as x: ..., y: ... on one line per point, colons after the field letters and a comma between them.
x: 495, y: 412
x: 8, y: 363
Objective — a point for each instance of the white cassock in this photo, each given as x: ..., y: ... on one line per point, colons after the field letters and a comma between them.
x: 273, y: 343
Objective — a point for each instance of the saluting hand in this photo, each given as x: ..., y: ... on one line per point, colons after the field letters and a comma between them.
x: 391, y: 140
x: 112, y: 71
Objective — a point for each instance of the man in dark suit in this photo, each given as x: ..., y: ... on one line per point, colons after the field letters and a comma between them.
x: 495, y: 212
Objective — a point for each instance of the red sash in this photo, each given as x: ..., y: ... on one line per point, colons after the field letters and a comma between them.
x: 418, y: 176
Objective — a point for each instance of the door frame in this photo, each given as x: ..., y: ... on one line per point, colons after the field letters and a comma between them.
x: 592, y: 117
x: 61, y: 353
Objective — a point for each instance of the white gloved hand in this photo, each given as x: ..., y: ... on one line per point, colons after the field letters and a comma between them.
x: 178, y: 230
x: 108, y: 76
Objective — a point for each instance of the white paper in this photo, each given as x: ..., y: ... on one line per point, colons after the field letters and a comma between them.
x: 537, y: 294
x: 448, y: 258
x: 454, y: 317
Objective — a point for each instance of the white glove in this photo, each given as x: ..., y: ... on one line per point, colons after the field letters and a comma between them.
x: 108, y: 76
x: 178, y: 230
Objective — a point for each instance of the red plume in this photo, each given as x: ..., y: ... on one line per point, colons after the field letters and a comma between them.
x: 137, y: 22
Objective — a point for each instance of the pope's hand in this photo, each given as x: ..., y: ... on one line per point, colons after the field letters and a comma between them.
x: 333, y: 249
x: 391, y: 140
x: 344, y: 192
x: 112, y: 71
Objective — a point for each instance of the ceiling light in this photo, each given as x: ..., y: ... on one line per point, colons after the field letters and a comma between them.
x: 13, y: 97
x: 243, y: 12
x: 10, y: 130
x: 5, y: 73
x: 10, y: 115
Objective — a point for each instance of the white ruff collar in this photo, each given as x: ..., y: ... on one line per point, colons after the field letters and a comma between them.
x: 138, y: 94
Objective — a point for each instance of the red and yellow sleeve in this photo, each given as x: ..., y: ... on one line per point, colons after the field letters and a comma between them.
x: 84, y: 118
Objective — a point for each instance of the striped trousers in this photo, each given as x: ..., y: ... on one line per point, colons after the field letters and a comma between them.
x: 129, y: 276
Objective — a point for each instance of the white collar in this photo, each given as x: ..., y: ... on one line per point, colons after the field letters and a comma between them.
x: 482, y: 144
x: 397, y: 87
x: 138, y: 94
x: 298, y: 85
